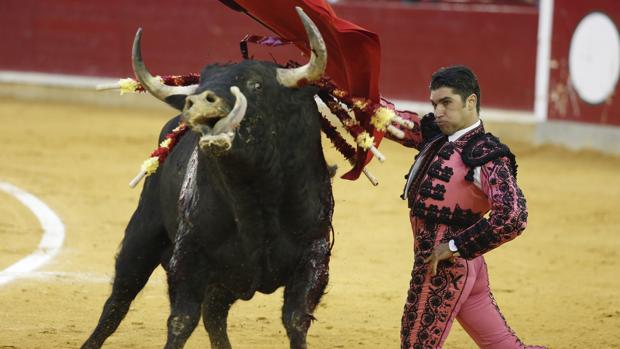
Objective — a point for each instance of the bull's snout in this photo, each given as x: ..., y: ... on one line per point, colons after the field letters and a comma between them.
x: 209, y: 97
x: 210, y: 115
x: 204, y: 110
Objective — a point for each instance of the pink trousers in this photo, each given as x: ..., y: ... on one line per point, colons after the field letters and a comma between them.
x: 460, y: 290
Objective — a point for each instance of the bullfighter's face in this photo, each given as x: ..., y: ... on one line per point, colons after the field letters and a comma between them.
x: 451, y: 112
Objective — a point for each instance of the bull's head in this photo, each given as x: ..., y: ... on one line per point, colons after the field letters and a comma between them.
x: 230, y: 95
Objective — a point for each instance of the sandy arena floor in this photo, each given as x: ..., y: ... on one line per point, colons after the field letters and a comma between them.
x: 556, y: 285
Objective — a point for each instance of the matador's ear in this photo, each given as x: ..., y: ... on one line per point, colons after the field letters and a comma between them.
x: 471, y: 101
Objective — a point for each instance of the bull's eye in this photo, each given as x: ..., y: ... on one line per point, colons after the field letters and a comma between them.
x: 255, y: 85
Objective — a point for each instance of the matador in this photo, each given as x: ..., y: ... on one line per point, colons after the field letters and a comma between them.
x: 460, y: 175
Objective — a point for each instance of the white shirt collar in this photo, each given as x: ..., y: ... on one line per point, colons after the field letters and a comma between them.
x: 458, y: 134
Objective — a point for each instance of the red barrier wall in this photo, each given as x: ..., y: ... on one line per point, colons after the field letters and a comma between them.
x: 497, y: 42
x: 565, y: 103
x: 94, y: 38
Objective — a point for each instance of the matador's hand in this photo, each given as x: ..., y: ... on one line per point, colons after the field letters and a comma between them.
x: 440, y: 252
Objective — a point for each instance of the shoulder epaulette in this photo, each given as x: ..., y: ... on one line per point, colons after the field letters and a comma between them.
x: 485, y: 147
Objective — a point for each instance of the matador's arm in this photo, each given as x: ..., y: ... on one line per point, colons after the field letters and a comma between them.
x: 424, y: 130
x: 508, y: 217
x: 412, y: 137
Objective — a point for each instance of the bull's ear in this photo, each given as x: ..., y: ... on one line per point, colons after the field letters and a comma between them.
x: 176, y: 101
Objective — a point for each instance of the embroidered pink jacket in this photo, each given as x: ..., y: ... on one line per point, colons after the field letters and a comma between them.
x: 446, y: 204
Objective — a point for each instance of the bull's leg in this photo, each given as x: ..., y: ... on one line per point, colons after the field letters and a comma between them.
x: 303, y: 292
x: 144, y: 242
x: 187, y: 280
x: 215, y: 309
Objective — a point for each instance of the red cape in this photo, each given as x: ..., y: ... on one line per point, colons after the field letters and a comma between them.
x: 353, y: 53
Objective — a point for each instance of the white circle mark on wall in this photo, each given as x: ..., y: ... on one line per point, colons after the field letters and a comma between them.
x: 594, y: 58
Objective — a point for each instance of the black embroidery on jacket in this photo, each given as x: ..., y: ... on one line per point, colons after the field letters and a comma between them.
x: 433, y: 215
x: 428, y: 190
x: 483, y: 148
x: 447, y: 151
x: 430, y: 150
x: 464, y: 218
x: 443, y: 173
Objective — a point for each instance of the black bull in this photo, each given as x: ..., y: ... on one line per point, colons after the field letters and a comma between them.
x: 242, y: 204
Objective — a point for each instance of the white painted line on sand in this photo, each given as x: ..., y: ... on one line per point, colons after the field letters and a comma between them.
x: 50, y: 244
x: 78, y: 277
x: 69, y: 277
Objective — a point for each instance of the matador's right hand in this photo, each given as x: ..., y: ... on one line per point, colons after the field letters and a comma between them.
x: 440, y: 252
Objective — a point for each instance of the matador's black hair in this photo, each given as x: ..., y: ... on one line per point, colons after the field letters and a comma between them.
x: 460, y: 78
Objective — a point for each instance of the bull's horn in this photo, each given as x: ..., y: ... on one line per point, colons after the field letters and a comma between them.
x: 318, y: 59
x: 233, y: 119
x: 152, y: 84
